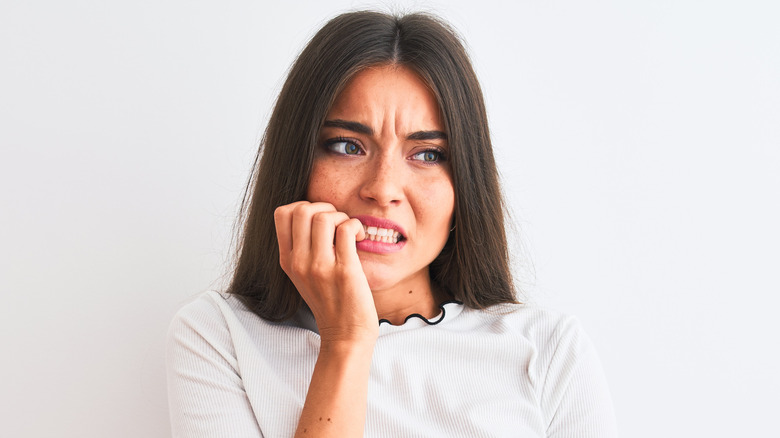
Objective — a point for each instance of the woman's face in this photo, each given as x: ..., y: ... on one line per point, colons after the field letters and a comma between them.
x: 382, y: 158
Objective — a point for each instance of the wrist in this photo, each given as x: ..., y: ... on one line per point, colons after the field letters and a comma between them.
x: 356, y: 335
x: 347, y: 346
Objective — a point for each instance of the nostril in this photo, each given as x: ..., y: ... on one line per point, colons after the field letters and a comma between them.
x: 383, y: 187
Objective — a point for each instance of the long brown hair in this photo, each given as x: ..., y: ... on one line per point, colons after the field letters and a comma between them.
x: 473, y: 267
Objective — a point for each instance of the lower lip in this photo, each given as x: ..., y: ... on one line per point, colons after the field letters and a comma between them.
x: 379, y: 247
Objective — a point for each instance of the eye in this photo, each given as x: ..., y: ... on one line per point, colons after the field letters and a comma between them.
x: 343, y: 146
x: 429, y: 156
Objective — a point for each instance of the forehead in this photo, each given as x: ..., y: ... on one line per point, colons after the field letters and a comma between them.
x: 389, y: 91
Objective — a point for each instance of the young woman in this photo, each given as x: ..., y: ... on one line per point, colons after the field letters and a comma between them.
x: 372, y: 294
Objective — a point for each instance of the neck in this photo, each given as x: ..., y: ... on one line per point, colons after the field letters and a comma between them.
x: 396, y: 303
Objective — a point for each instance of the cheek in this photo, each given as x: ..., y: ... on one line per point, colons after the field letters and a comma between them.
x: 324, y: 183
x: 438, y: 203
x: 318, y: 183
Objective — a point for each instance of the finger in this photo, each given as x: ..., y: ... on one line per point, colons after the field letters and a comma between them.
x: 323, y: 232
x: 283, y: 224
x: 348, y: 233
x: 301, y: 225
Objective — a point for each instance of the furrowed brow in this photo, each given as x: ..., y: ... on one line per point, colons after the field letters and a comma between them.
x: 349, y: 126
x: 427, y: 135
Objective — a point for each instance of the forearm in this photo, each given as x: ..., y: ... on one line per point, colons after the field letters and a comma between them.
x: 336, y: 402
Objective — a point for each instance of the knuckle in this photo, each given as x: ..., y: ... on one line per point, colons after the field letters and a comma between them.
x: 298, y: 266
x: 287, y: 210
x: 307, y: 209
x: 280, y: 213
x: 320, y: 270
x: 345, y: 229
x: 301, y: 210
x: 341, y: 218
x: 323, y: 206
x: 344, y: 273
x: 321, y: 218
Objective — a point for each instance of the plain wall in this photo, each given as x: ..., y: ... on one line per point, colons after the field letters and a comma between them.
x: 638, y: 143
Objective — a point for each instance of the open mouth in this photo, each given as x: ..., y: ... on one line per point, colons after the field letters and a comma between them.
x: 384, y: 235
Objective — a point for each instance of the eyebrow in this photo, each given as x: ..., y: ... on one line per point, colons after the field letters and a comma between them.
x: 363, y: 129
x: 349, y: 126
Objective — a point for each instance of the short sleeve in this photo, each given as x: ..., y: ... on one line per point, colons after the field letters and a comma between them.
x: 575, y: 394
x: 206, y: 395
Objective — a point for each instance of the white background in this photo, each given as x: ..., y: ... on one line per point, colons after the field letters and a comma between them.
x: 638, y: 143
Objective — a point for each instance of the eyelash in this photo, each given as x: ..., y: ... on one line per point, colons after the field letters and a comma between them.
x: 441, y: 156
x: 328, y: 145
x: 334, y: 141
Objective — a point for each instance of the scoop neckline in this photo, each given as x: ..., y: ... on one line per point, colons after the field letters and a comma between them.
x: 448, y: 310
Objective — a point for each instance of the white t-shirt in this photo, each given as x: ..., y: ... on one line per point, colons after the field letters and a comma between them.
x: 508, y: 371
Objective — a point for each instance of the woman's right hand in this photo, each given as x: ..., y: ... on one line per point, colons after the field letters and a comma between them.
x: 317, y: 251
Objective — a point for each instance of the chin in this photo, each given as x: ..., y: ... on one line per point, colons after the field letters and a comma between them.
x: 380, y: 276
x: 380, y: 282
x: 384, y: 277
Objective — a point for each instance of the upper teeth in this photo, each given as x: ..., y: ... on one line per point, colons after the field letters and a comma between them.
x: 382, y: 234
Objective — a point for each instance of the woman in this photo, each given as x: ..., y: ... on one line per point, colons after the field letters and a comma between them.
x: 372, y: 292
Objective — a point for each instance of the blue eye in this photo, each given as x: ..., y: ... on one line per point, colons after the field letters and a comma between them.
x: 344, y: 147
x: 430, y: 156
x: 351, y: 148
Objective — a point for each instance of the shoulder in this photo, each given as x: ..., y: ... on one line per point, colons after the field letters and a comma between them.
x: 211, y: 318
x: 200, y: 322
x: 206, y: 388
x: 552, y: 342
x: 541, y: 325
x: 205, y: 304
x: 562, y: 366
x: 207, y: 310
x: 221, y: 321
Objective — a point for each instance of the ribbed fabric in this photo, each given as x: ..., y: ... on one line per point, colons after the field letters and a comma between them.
x: 509, y: 371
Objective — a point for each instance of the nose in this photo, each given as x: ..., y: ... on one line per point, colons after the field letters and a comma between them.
x: 383, y: 181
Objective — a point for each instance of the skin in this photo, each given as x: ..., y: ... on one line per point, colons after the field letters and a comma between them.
x: 388, y: 161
